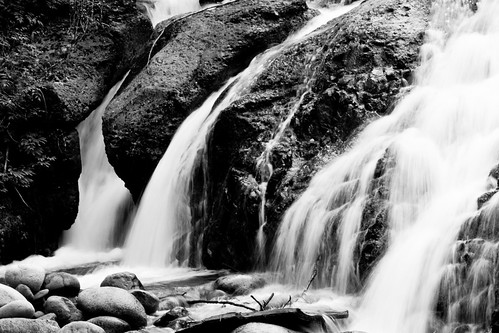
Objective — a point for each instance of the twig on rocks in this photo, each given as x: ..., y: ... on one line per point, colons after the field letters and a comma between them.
x: 198, y: 301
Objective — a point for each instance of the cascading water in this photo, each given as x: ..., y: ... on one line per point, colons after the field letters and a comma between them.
x: 160, y: 10
x: 162, y: 229
x: 264, y: 163
x: 432, y: 155
x: 103, y: 195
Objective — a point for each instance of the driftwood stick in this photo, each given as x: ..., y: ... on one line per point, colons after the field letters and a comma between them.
x: 258, y: 302
x: 199, y: 301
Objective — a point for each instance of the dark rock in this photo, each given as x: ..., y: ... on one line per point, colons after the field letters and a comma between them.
x: 193, y: 57
x: 62, y: 284
x: 170, y: 316
x: 23, y: 325
x: 54, y: 72
x: 123, y: 280
x: 149, y: 301
x: 354, y: 70
x: 112, y: 301
x: 111, y: 324
x: 63, y: 308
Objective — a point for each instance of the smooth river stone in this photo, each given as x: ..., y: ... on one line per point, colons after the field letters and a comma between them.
x: 17, y: 309
x: 112, y: 301
x: 30, y: 275
x: 23, y: 325
x: 81, y: 327
x: 62, y: 284
x: 8, y: 294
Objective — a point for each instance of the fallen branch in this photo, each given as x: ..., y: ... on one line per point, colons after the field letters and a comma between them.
x: 198, y: 301
x: 291, y: 318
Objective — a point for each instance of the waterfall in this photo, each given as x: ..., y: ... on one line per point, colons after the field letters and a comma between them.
x: 264, y: 164
x: 103, y: 195
x: 160, y: 10
x: 423, y: 167
x: 162, y: 232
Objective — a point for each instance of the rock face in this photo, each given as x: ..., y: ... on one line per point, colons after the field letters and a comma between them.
x: 346, y: 74
x: 192, y: 58
x: 58, y: 61
x: 115, y: 302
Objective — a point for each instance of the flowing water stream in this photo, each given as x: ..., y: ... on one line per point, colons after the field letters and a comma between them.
x: 433, y: 155
x: 162, y: 229
x: 103, y: 196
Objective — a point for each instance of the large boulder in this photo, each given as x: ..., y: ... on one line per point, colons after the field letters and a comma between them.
x: 29, y: 275
x: 62, y: 284
x: 58, y: 61
x: 336, y: 80
x: 23, y: 325
x: 193, y: 57
x: 112, y: 301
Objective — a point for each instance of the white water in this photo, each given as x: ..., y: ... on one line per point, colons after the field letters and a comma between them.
x: 162, y: 229
x: 103, y: 195
x: 160, y: 10
x: 443, y: 139
x: 264, y: 163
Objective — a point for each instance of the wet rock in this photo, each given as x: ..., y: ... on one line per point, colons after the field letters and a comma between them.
x: 261, y: 327
x: 29, y: 275
x: 62, y: 284
x: 64, y: 309
x: 8, y: 294
x: 26, y: 292
x: 48, y: 316
x: 149, y: 301
x: 171, y: 315
x: 17, y: 309
x: 239, y: 284
x: 23, y: 325
x: 355, y: 69
x: 112, y: 301
x: 193, y: 58
x: 81, y: 327
x: 65, y: 72
x: 123, y: 280
x: 111, y: 324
